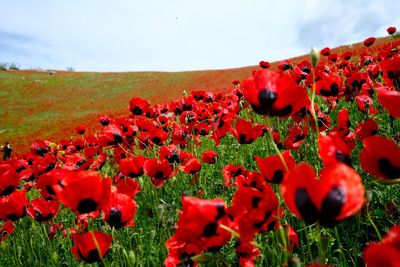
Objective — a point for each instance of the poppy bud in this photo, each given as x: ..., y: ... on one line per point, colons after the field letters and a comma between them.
x: 314, y: 56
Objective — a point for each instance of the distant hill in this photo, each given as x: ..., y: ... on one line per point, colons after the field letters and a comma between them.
x: 49, y: 104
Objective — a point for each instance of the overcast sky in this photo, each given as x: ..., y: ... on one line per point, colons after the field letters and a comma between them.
x: 176, y: 35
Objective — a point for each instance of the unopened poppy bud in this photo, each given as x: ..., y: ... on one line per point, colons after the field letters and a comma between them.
x: 314, y: 56
x: 203, y: 258
x: 132, y: 257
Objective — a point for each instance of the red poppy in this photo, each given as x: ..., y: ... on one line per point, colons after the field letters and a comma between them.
x: 13, y: 206
x: 391, y: 71
x: 338, y: 193
x: 138, y: 106
x: 365, y: 129
x: 199, y: 224
x: 128, y: 186
x: 99, y: 162
x: 325, y: 51
x: 264, y: 64
x: 333, y: 58
x: 333, y: 149
x: 77, y: 162
x: 254, y: 206
x: 391, y: 30
x: 191, y: 166
x: 245, y: 132
x: 104, y: 120
x: 285, y: 65
x: 221, y: 125
x: 272, y: 167
x: 385, y: 253
x: 91, y: 246
x: 246, y: 252
x: 83, y: 191
x: 7, y: 229
x: 171, y: 153
x: 180, y: 135
x: 296, y: 136
x: 329, y: 85
x: 364, y: 104
x: 119, y: 211
x: 157, y: 136
x: 390, y: 100
x: 47, y: 181
x: 40, y: 147
x: 343, y: 123
x: 132, y: 167
x: 111, y: 135
x: 369, y: 41
x: 209, y: 157
x: 271, y: 94
x: 42, y: 210
x: 230, y: 172
x: 81, y: 129
x: 9, y: 180
x: 158, y: 171
x: 381, y: 157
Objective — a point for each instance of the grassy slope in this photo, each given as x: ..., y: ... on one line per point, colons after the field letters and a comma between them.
x: 36, y: 105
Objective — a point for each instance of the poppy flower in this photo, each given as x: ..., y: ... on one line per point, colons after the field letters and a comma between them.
x: 296, y: 136
x: 325, y: 51
x: 7, y: 229
x: 81, y: 129
x: 329, y: 85
x: 209, y: 157
x: 192, y: 166
x: 138, y: 106
x: 157, y: 136
x: 132, y: 167
x: 285, y: 65
x: 333, y: 149
x: 158, y: 171
x: 77, y: 162
x: 230, y: 172
x: 272, y: 167
x: 42, y: 210
x: 170, y: 153
x: 391, y: 30
x: 47, y: 181
x: 40, y: 147
x: 111, y: 135
x: 343, y: 123
x: 381, y: 157
x: 272, y: 94
x: 264, y: 64
x: 365, y: 129
x: 385, y: 253
x: 13, y: 206
x: 391, y: 71
x: 254, y: 206
x: 338, y: 193
x: 364, y: 104
x: 390, y: 100
x: 199, y: 224
x: 119, y: 211
x: 128, y: 186
x: 9, y: 180
x: 333, y: 58
x: 221, y: 125
x: 245, y: 132
x: 246, y: 252
x: 83, y: 191
x: 369, y: 41
x: 104, y: 120
x: 91, y: 246
x: 180, y: 135
x: 99, y: 162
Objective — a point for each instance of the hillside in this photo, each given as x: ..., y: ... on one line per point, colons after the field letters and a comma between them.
x: 40, y: 104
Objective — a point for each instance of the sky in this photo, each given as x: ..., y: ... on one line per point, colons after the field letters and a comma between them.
x: 179, y: 35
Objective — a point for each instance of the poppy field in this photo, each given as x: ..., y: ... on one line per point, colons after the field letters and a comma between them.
x: 297, y: 165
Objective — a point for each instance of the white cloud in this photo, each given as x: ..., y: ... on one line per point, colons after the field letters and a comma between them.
x: 181, y: 34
